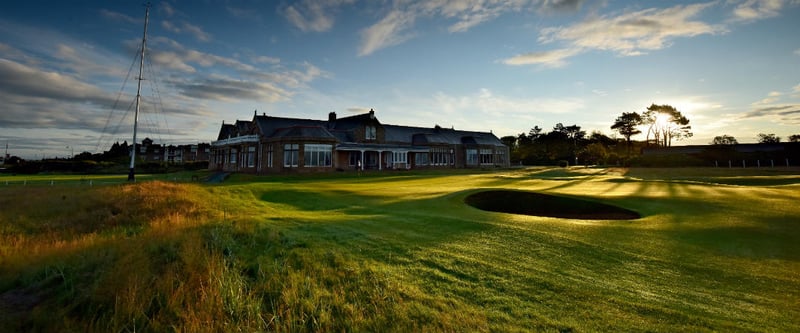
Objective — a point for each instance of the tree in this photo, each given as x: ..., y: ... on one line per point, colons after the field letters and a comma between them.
x: 626, y: 125
x: 510, y: 141
x: 794, y: 138
x: 595, y: 152
x: 724, y: 140
x: 768, y: 138
x: 535, y: 133
x: 666, y: 123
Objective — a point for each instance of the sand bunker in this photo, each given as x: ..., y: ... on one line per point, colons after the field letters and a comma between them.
x: 538, y: 204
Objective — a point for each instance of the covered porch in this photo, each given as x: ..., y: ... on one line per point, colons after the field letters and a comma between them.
x: 378, y: 156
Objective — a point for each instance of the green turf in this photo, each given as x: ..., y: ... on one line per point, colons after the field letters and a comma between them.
x: 403, y: 252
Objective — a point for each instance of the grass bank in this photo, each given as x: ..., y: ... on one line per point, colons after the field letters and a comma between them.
x: 402, y: 252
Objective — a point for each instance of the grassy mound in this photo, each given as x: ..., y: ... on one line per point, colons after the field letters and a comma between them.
x: 539, y: 204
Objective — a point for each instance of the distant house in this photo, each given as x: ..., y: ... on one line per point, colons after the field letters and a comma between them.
x: 269, y: 144
x: 148, y: 151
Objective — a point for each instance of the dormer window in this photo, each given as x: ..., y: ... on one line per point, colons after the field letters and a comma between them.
x: 371, y: 133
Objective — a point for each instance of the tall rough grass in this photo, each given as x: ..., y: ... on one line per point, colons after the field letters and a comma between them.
x: 159, y: 257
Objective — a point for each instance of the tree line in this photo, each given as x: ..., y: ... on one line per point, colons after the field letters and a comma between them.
x: 570, y: 145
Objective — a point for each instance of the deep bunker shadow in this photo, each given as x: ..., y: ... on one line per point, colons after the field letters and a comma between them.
x: 538, y: 204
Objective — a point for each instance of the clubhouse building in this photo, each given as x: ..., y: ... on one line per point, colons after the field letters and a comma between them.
x: 269, y: 144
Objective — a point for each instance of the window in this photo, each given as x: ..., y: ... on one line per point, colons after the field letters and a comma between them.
x: 269, y: 156
x: 501, y: 156
x: 472, y: 156
x: 370, y: 133
x: 400, y: 157
x: 232, y: 159
x: 251, y: 157
x: 487, y: 156
x: 421, y: 158
x: 441, y: 156
x: 317, y: 155
x: 354, y: 157
x: 290, y: 152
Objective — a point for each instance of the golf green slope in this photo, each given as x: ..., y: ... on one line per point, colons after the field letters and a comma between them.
x: 713, y: 250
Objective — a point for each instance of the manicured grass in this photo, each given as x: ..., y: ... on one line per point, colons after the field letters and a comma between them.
x: 403, y: 252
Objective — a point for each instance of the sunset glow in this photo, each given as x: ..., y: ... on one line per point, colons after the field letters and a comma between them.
x: 730, y: 67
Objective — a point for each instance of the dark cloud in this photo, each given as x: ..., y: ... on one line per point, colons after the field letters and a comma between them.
x: 562, y: 5
x: 226, y: 89
x: 789, y: 113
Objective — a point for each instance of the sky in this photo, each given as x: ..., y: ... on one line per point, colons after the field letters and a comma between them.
x: 69, y: 69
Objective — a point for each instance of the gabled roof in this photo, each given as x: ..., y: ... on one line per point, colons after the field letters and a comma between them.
x: 310, y: 132
x: 352, y: 122
x: 267, y: 125
x: 437, y: 135
x: 226, y: 131
x: 343, y: 130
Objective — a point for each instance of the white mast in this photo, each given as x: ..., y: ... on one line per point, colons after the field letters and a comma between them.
x: 131, y: 176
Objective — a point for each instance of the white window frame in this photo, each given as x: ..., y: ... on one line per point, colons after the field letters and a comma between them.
x: 291, y: 153
x: 251, y: 156
x: 472, y: 156
x: 399, y: 157
x: 269, y: 155
x: 486, y: 156
x: 233, y: 153
x: 317, y: 155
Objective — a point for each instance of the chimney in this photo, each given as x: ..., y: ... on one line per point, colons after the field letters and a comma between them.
x: 331, y: 117
x: 371, y: 114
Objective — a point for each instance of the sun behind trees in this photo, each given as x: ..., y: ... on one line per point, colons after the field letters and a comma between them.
x: 665, y: 122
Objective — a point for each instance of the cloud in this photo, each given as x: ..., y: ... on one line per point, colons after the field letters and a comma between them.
x: 467, y: 13
x: 116, y: 16
x: 243, y: 13
x: 786, y: 113
x: 166, y: 9
x: 85, y: 61
x: 34, y: 98
x: 752, y: 10
x: 276, y: 81
x: 634, y: 33
x: 185, y: 27
x: 772, y: 97
x: 26, y: 81
x: 266, y: 60
x: 627, y: 34
x: 390, y: 31
x: 550, y: 59
x: 395, y: 27
x: 316, y: 16
x: 561, y: 5
x: 230, y: 90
